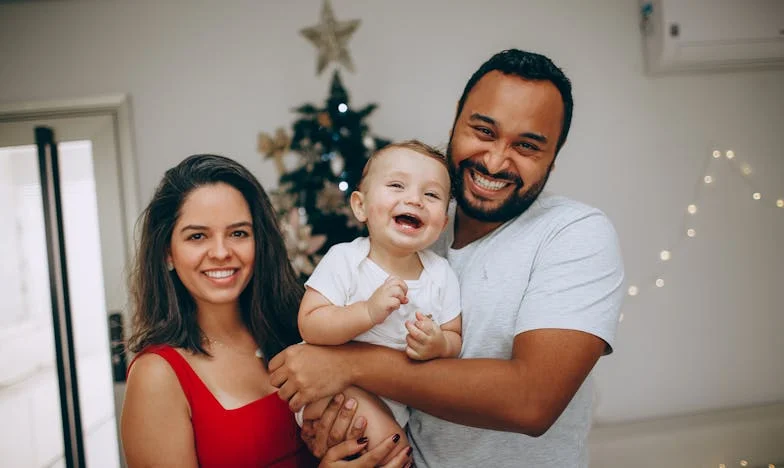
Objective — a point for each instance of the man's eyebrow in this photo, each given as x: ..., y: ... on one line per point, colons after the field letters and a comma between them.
x: 482, y: 117
x: 535, y: 136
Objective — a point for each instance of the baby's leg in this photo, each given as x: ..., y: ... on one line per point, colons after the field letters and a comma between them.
x: 380, y: 422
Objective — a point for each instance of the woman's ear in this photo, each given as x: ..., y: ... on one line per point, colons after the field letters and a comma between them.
x: 357, y: 201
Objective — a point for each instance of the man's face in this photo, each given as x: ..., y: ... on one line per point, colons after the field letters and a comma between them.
x: 503, y: 145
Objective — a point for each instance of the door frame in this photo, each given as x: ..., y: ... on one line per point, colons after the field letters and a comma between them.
x: 116, y: 106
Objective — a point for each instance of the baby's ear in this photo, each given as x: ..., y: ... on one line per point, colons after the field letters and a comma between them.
x: 357, y: 201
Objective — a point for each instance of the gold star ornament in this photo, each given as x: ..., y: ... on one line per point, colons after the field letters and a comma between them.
x: 275, y: 147
x: 330, y: 38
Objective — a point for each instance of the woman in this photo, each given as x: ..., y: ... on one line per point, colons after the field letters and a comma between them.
x: 214, y: 299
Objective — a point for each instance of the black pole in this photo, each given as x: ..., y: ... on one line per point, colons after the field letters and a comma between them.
x: 48, y: 166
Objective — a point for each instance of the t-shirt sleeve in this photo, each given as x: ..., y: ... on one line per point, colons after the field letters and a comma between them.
x: 451, y: 306
x: 576, y: 281
x: 332, y: 276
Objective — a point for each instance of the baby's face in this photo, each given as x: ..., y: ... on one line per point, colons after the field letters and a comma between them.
x: 404, y: 199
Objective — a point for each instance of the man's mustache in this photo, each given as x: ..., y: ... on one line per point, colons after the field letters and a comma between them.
x: 482, y: 169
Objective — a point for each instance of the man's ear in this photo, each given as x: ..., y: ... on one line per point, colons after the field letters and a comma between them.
x: 357, y: 201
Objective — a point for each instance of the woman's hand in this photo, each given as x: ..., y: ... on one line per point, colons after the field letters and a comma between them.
x: 336, y: 456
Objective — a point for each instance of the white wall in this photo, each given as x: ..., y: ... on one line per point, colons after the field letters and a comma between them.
x: 207, y: 76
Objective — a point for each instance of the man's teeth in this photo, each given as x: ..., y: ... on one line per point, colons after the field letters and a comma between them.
x: 486, y: 183
x: 217, y: 274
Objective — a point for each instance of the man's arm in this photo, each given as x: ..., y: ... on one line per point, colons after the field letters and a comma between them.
x: 525, y: 394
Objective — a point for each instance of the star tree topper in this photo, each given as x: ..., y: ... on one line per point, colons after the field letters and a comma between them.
x: 330, y: 38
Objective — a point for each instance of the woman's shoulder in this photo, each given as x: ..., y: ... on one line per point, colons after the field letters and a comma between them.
x: 153, y: 366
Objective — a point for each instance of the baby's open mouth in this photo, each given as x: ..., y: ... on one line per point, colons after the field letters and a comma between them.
x: 408, y: 220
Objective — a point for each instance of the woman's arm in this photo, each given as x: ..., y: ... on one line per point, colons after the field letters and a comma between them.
x: 156, y: 425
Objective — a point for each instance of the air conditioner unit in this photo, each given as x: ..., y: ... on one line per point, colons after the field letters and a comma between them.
x: 681, y: 35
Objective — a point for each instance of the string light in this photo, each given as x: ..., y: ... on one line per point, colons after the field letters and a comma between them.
x: 744, y: 463
x: 665, y: 255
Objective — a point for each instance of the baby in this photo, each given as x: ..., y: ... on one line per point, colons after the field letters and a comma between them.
x: 387, y: 289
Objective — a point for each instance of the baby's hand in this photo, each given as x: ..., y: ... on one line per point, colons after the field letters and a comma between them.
x: 387, y: 299
x: 425, y: 339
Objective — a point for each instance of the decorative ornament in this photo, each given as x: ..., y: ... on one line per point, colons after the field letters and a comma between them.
x: 301, y: 246
x: 324, y: 120
x: 282, y: 199
x: 330, y: 38
x: 275, y: 147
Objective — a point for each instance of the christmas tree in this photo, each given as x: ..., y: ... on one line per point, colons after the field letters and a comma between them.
x: 332, y: 144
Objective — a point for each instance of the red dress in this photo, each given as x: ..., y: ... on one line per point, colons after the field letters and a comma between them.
x: 261, y: 433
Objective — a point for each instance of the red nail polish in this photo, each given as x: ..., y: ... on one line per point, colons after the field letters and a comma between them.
x: 362, y: 440
x: 408, y: 452
x: 396, y: 438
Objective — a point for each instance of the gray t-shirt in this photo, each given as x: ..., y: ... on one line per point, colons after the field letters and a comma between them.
x: 558, y: 265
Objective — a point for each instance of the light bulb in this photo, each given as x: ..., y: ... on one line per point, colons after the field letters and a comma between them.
x: 664, y: 255
x: 722, y: 465
x: 746, y: 169
x: 633, y: 290
x: 691, y: 232
x: 756, y: 195
x: 659, y: 283
x: 716, y: 154
x: 708, y: 179
x: 343, y: 186
x: 780, y: 203
x: 691, y: 209
x: 342, y: 107
x: 730, y: 154
x: 744, y: 463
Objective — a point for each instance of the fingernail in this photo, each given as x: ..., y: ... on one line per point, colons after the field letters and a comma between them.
x: 339, y: 398
x: 351, y: 403
x: 396, y: 438
x: 408, y: 452
x: 359, y: 423
x: 362, y: 440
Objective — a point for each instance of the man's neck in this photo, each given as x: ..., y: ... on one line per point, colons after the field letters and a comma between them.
x: 468, y: 229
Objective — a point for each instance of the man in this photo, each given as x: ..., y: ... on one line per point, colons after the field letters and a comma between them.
x: 541, y: 290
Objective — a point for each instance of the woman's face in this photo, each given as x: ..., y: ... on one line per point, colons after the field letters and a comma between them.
x: 212, y: 246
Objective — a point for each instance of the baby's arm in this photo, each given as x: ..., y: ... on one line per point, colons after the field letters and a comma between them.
x: 426, y: 340
x: 323, y: 323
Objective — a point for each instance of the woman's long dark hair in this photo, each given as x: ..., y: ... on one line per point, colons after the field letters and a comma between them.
x: 164, y: 311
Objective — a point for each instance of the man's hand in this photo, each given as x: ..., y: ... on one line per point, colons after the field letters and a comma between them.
x: 306, y: 373
x: 425, y: 339
x: 387, y: 299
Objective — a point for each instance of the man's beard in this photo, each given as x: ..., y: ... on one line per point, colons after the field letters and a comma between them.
x: 513, y: 206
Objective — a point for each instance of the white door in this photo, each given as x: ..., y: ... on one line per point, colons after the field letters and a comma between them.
x: 96, y: 253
